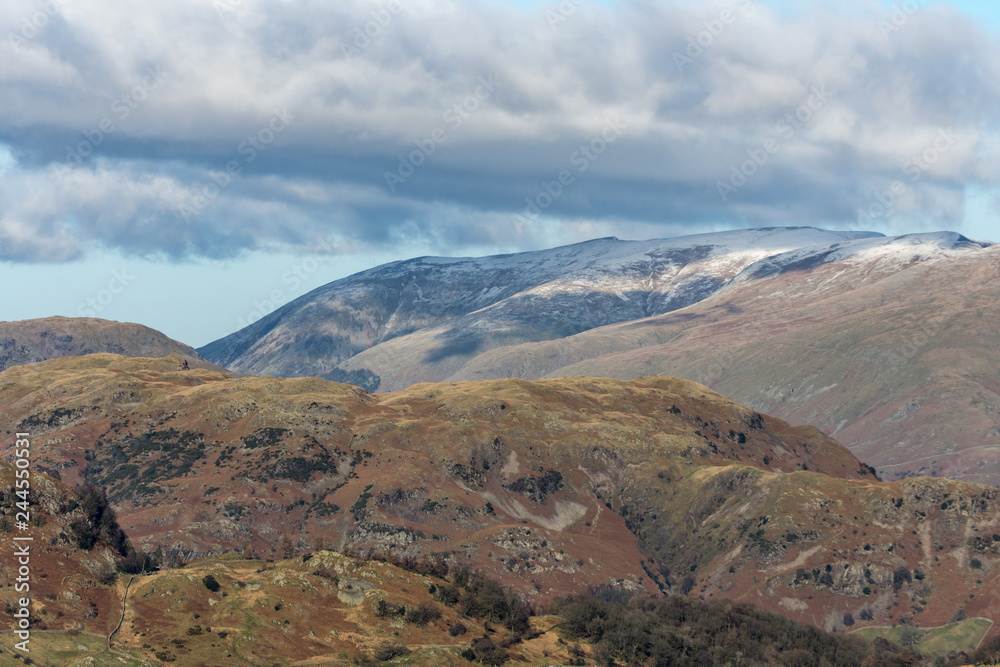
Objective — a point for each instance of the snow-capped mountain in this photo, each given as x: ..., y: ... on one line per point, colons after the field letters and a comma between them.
x: 473, y: 304
x: 423, y: 319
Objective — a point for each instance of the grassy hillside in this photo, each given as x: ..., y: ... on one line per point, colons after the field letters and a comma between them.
x: 554, y: 487
x: 328, y: 609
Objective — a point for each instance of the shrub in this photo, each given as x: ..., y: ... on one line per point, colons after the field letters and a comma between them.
x: 137, y: 562
x: 448, y: 595
x: 486, y: 599
x: 909, y: 635
x: 654, y: 631
x: 901, y: 576
x: 988, y: 653
x: 384, y: 609
x: 389, y: 650
x: 211, y: 583
x: 487, y: 652
x: 422, y: 614
x: 327, y: 573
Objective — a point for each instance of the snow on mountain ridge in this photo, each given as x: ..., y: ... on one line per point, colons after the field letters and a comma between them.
x: 611, y: 252
x: 882, y: 253
x: 466, y: 305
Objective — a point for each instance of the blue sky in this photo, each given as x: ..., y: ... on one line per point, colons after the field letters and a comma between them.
x: 191, y: 167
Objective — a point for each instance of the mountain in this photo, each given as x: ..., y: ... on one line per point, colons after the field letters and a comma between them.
x: 30, y: 341
x: 887, y: 342
x: 434, y: 313
x: 551, y: 487
x: 891, y: 348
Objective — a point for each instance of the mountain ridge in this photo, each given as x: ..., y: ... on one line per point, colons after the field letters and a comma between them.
x: 592, y: 269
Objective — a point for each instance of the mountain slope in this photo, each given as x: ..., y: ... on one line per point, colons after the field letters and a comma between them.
x: 902, y: 367
x: 30, y: 341
x: 457, y: 307
x: 329, y: 609
x: 63, y: 574
x: 803, y: 272
x: 886, y: 342
x: 551, y: 486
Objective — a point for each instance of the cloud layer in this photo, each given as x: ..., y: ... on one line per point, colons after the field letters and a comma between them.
x: 211, y: 127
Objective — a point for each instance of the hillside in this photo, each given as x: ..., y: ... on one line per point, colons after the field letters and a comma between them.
x: 329, y: 609
x: 70, y: 586
x: 885, y: 342
x: 901, y: 367
x: 551, y: 486
x: 445, y: 310
x: 31, y: 341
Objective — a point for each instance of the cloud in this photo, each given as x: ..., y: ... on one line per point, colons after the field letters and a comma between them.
x: 122, y: 120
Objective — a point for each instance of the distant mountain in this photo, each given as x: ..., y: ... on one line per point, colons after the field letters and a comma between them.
x: 888, y: 342
x: 430, y: 315
x: 551, y: 487
x: 31, y: 341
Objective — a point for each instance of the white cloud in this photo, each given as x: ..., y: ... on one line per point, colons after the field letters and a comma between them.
x: 224, y: 75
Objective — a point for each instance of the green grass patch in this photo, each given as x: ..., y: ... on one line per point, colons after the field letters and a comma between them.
x: 939, y: 641
x: 59, y: 647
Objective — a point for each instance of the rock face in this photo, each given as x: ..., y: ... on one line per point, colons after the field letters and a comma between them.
x: 888, y: 343
x: 30, y: 341
x: 552, y: 486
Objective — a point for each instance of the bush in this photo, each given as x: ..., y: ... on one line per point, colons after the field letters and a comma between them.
x: 448, y: 595
x: 389, y: 650
x: 988, y: 653
x: 327, y: 573
x: 657, y: 631
x: 909, y: 635
x: 384, y: 609
x: 98, y: 523
x: 211, y: 583
x: 900, y: 576
x: 423, y: 614
x: 487, y: 652
x: 137, y: 562
x: 486, y: 599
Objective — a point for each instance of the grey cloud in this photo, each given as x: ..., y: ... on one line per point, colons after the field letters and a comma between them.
x: 687, y: 126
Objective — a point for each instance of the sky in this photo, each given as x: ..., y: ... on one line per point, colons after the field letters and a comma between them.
x: 194, y: 164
